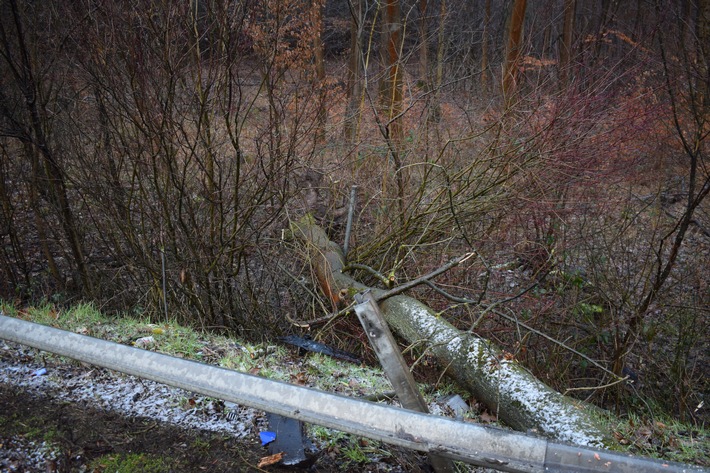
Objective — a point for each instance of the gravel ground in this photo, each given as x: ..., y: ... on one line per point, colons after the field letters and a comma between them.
x: 131, y: 396
x: 49, y: 380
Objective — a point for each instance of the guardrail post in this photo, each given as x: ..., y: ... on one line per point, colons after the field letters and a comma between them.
x: 289, y: 440
x: 395, y: 367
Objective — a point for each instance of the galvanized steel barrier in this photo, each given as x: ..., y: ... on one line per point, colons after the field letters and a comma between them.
x: 471, y: 443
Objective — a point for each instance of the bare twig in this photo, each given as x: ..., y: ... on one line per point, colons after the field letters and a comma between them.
x: 384, y: 279
x: 320, y: 320
x: 165, y: 296
x: 423, y: 279
x: 492, y: 308
x: 303, y: 323
x: 553, y: 340
x: 594, y: 388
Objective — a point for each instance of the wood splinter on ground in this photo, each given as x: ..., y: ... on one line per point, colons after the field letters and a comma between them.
x: 270, y: 460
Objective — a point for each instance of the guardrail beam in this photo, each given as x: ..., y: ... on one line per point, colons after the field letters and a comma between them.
x: 465, y: 441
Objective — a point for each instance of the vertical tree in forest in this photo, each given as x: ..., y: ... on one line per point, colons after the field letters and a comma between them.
x: 484, y: 46
x: 607, y: 20
x: 322, y: 112
x: 392, y: 97
x: 703, y: 35
x: 435, y: 113
x: 423, y: 44
x: 513, y: 49
x: 392, y: 83
x: 354, y: 85
x: 566, y: 45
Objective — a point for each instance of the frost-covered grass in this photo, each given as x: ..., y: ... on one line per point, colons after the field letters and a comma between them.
x: 271, y: 361
x: 652, y: 436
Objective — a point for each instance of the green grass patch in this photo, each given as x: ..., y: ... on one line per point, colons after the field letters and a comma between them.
x: 340, y: 376
x: 668, y: 439
x: 130, y: 463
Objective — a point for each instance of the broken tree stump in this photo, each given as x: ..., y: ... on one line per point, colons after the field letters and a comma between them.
x: 519, y: 399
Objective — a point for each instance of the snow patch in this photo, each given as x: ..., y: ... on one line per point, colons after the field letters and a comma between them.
x: 128, y: 395
x: 552, y: 416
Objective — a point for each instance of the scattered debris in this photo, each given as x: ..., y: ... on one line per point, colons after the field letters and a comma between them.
x: 290, y: 441
x: 306, y: 343
x: 457, y: 405
x: 267, y: 437
x: 270, y: 460
x: 144, y: 342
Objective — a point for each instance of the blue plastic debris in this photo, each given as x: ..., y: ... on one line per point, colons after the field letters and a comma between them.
x: 290, y: 441
x: 267, y: 437
x: 40, y: 372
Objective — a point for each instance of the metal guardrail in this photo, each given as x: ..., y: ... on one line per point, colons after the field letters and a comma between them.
x: 468, y: 442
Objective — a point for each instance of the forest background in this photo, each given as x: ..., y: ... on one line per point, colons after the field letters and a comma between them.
x: 153, y: 154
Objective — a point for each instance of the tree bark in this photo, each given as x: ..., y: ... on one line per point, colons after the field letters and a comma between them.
x: 352, y: 114
x: 484, y: 47
x: 322, y: 112
x: 518, y: 398
x: 566, y: 46
x: 392, y: 85
x: 512, y: 55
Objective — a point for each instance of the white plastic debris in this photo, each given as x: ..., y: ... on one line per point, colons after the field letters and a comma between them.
x: 144, y: 342
x: 458, y: 405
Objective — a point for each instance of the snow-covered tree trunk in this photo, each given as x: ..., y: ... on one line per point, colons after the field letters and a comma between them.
x: 517, y: 397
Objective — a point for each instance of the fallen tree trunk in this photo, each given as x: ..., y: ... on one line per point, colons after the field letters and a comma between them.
x: 520, y: 400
